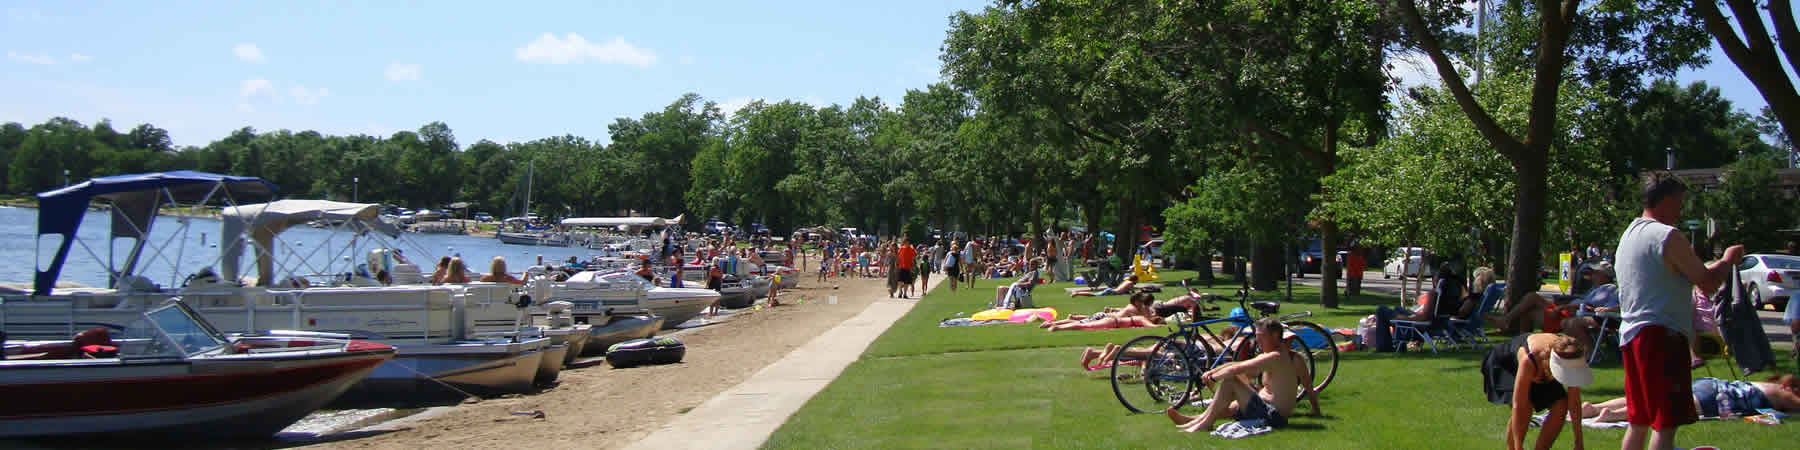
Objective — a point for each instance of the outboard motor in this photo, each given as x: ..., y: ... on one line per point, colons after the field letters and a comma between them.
x: 558, y: 314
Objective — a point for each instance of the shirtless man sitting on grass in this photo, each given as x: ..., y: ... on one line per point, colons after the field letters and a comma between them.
x: 1284, y: 374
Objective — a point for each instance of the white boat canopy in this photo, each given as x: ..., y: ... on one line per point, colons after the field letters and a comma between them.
x: 265, y: 220
x: 610, y: 222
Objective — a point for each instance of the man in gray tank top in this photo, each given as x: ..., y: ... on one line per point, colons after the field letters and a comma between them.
x: 1657, y: 269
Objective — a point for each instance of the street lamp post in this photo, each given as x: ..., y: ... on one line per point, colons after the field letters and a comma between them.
x: 65, y: 177
x: 355, y: 186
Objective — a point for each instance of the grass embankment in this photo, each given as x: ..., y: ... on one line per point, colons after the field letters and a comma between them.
x: 919, y: 386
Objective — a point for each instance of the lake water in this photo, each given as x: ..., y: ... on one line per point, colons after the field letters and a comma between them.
x: 187, y: 249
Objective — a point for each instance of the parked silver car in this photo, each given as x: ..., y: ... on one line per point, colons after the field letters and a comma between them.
x: 1771, y: 278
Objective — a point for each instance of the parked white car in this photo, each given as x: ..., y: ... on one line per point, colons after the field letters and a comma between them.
x: 1771, y: 278
x: 1404, y: 262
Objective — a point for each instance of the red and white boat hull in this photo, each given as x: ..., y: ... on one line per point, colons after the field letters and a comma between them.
x: 228, y: 396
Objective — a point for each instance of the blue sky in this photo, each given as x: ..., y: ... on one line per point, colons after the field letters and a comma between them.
x: 506, y: 71
x: 497, y: 70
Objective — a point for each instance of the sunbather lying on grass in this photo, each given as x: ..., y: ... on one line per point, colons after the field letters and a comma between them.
x: 1718, y: 398
x: 1125, y: 287
x: 1134, y: 315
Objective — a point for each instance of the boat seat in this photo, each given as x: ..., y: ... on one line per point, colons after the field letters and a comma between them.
x: 404, y: 274
x: 93, y: 343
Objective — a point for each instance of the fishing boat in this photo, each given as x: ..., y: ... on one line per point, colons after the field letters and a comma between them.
x: 593, y: 293
x: 175, y: 376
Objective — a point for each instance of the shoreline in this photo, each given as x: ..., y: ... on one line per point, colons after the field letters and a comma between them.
x: 603, y: 407
x: 472, y: 229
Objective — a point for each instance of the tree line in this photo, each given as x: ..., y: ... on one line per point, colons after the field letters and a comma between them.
x: 1240, y: 127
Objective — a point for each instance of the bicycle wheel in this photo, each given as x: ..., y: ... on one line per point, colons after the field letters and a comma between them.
x: 1324, y: 359
x: 1160, y: 366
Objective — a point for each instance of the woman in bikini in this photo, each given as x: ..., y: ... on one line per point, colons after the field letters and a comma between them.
x: 1135, y: 315
x: 1536, y: 372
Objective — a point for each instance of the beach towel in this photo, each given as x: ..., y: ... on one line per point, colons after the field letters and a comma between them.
x: 1538, y: 421
x: 1001, y: 314
x: 1242, y: 429
x: 967, y: 322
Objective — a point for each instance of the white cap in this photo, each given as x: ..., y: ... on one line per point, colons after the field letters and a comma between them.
x: 1571, y: 372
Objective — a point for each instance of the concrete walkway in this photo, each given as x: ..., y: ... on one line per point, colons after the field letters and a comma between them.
x: 744, y: 416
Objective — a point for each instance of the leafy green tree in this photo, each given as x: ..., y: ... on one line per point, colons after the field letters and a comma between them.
x: 149, y: 137
x: 1747, y: 205
x: 1435, y: 184
x: 12, y: 135
x: 660, y: 149
x: 1528, y: 150
x: 35, y: 166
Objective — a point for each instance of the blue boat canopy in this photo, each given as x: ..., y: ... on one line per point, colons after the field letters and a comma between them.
x: 135, y: 199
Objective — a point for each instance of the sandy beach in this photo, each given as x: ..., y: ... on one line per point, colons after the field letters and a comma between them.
x: 602, y: 407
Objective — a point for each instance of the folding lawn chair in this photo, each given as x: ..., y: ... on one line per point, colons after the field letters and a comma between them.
x: 1471, y: 329
x: 1019, y: 295
x: 1428, y: 332
x: 1608, y: 328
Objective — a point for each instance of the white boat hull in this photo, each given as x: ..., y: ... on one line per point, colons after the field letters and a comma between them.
x: 475, y: 368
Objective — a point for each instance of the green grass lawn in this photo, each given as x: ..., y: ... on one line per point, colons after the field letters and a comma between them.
x: 919, y: 386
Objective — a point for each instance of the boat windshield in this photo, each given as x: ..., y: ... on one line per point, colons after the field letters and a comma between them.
x: 627, y: 278
x: 185, y: 331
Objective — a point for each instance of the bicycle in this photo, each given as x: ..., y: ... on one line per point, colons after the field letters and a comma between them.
x: 1171, y: 366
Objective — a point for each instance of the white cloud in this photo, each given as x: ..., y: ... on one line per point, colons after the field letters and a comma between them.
x: 305, y: 96
x: 39, y: 59
x: 402, y: 72
x: 256, y: 87
x: 77, y: 57
x: 730, y: 107
x: 574, y: 49
x: 249, y: 53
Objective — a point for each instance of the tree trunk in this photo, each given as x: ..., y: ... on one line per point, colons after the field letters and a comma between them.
x: 1528, y: 224
x: 1266, y: 265
x: 1204, y: 266
x: 1227, y: 255
x: 1757, y: 59
x: 1328, y: 231
x: 1093, y: 230
x: 1126, y: 241
x: 1037, y: 215
x: 1328, y: 269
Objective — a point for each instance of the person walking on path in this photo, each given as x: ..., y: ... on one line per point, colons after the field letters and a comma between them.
x: 923, y: 267
x: 953, y: 264
x: 905, y: 258
x: 1657, y: 269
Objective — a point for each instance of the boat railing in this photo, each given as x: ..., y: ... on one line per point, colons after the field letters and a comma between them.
x: 29, y: 315
x: 434, y: 304
x: 489, y: 307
